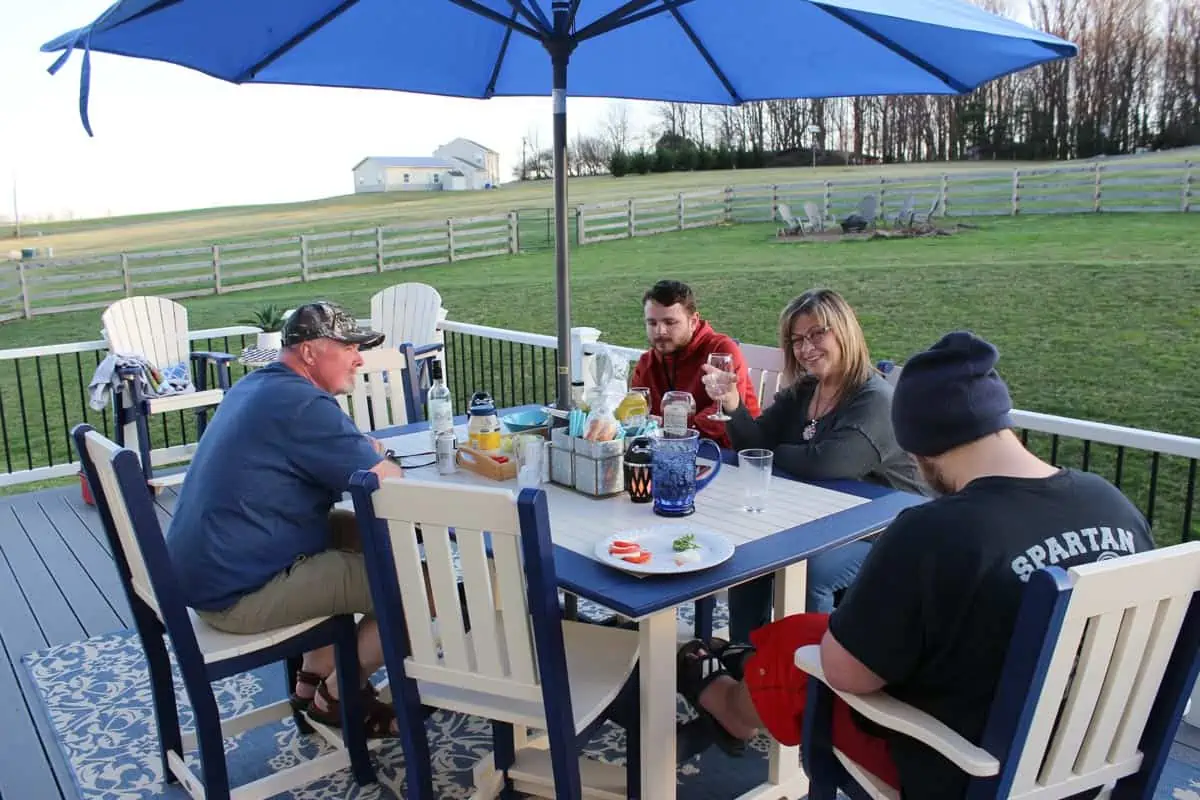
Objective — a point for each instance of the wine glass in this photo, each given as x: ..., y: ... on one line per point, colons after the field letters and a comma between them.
x: 724, y: 379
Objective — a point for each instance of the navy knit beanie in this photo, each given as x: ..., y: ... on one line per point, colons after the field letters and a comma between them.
x: 950, y: 395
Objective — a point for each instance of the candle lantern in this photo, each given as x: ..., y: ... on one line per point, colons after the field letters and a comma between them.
x: 639, y: 458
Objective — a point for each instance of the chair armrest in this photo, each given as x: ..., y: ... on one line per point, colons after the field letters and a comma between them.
x: 427, y: 350
x: 883, y: 709
x: 213, y: 356
x: 130, y: 377
x: 200, y: 360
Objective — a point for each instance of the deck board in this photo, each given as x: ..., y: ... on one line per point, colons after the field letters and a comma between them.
x: 58, y: 584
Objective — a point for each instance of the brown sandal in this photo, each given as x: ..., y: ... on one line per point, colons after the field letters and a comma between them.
x: 379, y: 715
x: 308, y: 679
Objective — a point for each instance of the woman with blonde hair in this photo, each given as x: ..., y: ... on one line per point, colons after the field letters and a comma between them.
x: 832, y: 421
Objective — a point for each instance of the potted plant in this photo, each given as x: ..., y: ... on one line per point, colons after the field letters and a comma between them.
x: 268, y: 319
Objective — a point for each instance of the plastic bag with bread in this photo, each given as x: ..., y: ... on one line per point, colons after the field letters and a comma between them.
x: 609, y: 373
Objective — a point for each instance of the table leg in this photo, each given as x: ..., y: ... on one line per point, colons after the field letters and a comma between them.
x: 785, y: 776
x: 656, y: 665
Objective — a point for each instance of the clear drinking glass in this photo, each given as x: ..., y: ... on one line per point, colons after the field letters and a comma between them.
x: 754, y: 470
x: 723, y: 380
x: 530, y: 452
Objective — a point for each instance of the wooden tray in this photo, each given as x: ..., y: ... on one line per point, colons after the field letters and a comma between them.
x: 483, y: 464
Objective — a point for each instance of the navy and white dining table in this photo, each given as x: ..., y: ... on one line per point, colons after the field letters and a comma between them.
x: 801, y: 520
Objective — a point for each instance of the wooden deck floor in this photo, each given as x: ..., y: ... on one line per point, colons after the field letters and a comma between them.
x: 58, y: 585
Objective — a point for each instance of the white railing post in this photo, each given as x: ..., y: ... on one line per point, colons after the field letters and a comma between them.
x: 1096, y: 189
x: 580, y: 229
x: 1016, y: 192
x: 514, y: 233
x: 580, y: 338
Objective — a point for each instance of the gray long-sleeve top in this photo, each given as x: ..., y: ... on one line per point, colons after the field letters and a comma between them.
x: 853, y: 441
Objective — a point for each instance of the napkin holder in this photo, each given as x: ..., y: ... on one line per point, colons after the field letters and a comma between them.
x: 592, y: 468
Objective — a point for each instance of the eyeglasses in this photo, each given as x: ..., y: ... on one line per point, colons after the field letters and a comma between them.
x: 814, y: 337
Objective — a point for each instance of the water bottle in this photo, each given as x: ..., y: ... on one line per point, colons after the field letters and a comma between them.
x: 440, y: 405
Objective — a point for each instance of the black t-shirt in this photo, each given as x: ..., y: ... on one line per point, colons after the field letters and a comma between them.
x: 934, y: 605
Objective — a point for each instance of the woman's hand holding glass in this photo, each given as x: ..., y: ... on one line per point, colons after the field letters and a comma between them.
x: 721, y: 386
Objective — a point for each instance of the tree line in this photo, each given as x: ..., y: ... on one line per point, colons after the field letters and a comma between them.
x: 1135, y: 85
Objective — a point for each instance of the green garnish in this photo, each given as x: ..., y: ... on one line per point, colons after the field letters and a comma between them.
x: 684, y: 543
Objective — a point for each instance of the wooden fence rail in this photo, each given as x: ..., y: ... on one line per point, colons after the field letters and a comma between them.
x: 34, y: 288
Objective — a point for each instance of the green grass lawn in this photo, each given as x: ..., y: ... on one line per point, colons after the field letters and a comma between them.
x: 1096, y: 316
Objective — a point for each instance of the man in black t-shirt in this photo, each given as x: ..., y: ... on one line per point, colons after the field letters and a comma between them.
x: 930, y: 615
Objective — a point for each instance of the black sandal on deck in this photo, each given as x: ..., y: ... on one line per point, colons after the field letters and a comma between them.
x: 308, y: 679
x: 696, y: 667
x: 379, y: 715
x: 733, y: 656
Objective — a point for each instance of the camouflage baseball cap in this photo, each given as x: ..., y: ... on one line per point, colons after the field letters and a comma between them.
x: 325, y: 320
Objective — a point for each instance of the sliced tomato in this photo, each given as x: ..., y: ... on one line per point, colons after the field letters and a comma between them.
x: 623, y: 550
x: 641, y: 557
x: 623, y: 543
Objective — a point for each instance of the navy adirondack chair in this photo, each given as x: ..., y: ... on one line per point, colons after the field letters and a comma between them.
x: 204, y: 654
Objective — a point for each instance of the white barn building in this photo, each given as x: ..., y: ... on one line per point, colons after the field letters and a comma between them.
x: 458, y: 165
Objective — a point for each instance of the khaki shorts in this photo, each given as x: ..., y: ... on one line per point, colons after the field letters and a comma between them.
x: 330, y: 582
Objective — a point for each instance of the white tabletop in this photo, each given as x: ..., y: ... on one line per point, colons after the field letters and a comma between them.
x: 578, y: 521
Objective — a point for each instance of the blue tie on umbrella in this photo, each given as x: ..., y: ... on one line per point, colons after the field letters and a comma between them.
x: 694, y: 51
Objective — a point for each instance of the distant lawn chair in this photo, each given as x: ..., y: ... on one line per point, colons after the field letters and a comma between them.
x: 814, y: 216
x: 934, y: 207
x: 793, y: 225
x: 904, y: 217
x: 864, y: 217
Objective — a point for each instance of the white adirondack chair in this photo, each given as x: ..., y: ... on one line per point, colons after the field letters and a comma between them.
x: 410, y: 313
x: 1094, y: 685
x: 383, y: 394
x: 156, y: 328
x: 765, y: 366
x: 520, y: 665
x: 794, y: 224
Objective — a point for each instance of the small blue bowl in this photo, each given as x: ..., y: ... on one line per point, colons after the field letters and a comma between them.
x: 528, y: 420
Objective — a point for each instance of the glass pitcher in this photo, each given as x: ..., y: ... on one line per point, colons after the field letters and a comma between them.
x: 673, y: 481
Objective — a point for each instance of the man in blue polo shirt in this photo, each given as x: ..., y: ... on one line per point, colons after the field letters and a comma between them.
x: 254, y: 538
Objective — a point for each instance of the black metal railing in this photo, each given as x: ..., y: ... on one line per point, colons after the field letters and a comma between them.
x: 513, y: 373
x: 1163, y: 486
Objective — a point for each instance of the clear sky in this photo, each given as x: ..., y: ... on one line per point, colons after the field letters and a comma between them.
x: 168, y: 138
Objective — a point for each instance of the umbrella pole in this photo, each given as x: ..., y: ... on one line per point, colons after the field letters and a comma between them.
x: 560, y: 52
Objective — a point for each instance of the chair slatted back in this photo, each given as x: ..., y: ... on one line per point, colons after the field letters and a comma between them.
x: 155, y: 328
x: 408, y: 312
x: 765, y: 367
x: 816, y: 217
x: 382, y: 393
x: 102, y: 453
x: 1107, y: 669
x: 498, y: 656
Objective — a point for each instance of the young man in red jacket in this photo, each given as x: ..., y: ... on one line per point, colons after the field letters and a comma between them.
x: 680, y: 343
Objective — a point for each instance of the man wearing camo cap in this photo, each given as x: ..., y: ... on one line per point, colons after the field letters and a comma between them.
x: 254, y: 538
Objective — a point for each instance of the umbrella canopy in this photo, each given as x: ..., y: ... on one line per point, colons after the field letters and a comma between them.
x: 699, y: 51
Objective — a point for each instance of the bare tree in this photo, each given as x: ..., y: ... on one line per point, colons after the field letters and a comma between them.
x: 616, y: 127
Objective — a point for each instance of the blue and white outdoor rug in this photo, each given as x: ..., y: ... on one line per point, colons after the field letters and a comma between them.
x: 96, y: 694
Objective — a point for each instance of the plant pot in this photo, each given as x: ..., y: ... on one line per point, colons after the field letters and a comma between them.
x: 269, y: 340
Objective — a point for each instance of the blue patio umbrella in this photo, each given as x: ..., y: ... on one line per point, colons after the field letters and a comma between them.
x: 695, y: 51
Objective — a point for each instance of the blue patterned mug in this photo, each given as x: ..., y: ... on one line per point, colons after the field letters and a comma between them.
x: 673, y: 480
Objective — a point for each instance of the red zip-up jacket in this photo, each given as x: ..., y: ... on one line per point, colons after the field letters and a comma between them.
x: 681, y: 371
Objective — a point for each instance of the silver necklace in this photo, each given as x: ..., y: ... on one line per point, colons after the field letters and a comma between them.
x: 810, y: 428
